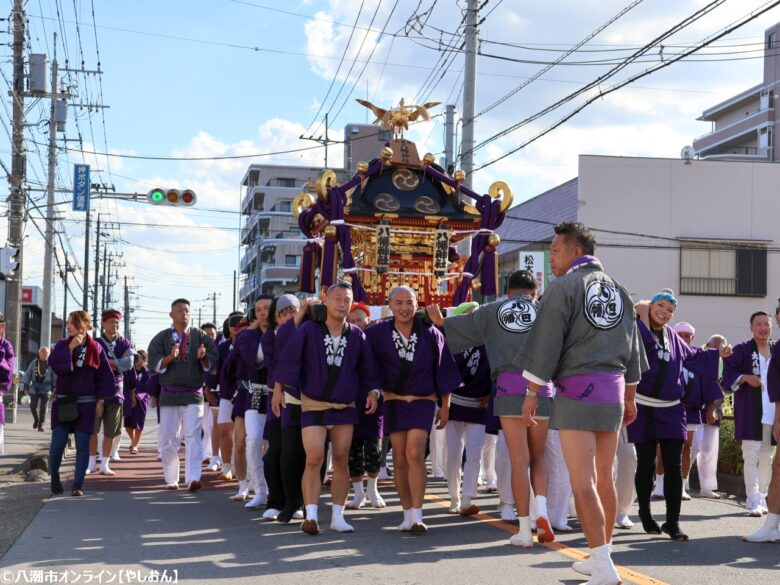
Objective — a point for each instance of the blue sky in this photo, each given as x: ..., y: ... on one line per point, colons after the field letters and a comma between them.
x: 184, y: 79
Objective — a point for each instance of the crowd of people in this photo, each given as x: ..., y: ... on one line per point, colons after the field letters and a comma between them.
x: 581, y: 395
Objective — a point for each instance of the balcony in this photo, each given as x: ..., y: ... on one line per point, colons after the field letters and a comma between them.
x: 737, y: 132
x: 738, y: 153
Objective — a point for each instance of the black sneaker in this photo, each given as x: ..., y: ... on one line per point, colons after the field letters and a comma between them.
x: 35, y: 424
x: 56, y: 485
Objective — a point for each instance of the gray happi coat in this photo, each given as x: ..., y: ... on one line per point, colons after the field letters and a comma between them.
x: 585, y: 324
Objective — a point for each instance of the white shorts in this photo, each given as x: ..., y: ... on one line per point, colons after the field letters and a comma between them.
x: 225, y: 411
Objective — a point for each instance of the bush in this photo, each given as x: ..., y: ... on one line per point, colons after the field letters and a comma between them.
x: 730, y: 454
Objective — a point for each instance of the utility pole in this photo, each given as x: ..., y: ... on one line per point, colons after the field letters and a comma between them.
x: 95, y: 296
x: 106, y: 273
x: 85, y: 301
x: 127, y: 311
x: 449, y: 137
x: 17, y: 197
x: 68, y: 268
x: 235, y: 284
x: 470, y: 90
x: 48, y: 249
x: 320, y: 140
x: 213, y: 298
x: 200, y: 319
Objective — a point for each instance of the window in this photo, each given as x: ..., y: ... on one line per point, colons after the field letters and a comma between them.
x: 771, y: 40
x: 723, y: 271
x: 283, y: 182
x: 292, y: 260
x: 285, y: 206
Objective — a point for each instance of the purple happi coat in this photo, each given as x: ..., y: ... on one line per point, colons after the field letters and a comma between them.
x: 667, y: 356
x: 433, y: 367
x: 773, y: 377
x: 474, y: 368
x: 89, y: 384
x: 699, y: 393
x: 274, y: 344
x: 135, y: 416
x: 306, y: 364
x: 7, y: 363
x: 748, y: 407
x: 116, y: 350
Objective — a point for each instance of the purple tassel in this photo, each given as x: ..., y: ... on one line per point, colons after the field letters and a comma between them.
x: 306, y: 273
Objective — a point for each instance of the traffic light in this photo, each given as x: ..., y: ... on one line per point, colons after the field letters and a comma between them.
x: 9, y: 260
x: 175, y: 197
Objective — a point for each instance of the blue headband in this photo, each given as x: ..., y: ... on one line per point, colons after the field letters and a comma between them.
x: 664, y: 297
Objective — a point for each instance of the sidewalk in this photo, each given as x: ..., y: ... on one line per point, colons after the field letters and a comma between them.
x: 22, y: 441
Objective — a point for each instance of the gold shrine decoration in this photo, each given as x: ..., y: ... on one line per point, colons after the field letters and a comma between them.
x: 382, y: 247
x: 441, y: 252
x: 496, y: 190
x: 324, y: 181
x: 302, y: 201
x: 397, y: 119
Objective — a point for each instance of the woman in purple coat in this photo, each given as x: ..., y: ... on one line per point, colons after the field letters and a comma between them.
x: 660, y: 417
x: 136, y: 403
x: 82, y: 370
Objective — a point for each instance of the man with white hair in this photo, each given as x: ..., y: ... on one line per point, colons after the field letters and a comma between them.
x: 416, y: 369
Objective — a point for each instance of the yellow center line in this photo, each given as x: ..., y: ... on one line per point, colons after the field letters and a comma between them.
x: 573, y: 553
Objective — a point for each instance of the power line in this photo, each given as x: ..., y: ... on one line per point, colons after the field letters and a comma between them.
x: 563, y: 56
x: 734, y: 26
x: 341, y: 62
x: 612, y: 72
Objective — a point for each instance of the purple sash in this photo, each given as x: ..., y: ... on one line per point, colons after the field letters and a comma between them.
x: 594, y: 388
x: 515, y: 384
x: 179, y: 389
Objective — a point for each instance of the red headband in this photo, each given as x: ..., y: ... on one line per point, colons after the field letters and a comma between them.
x: 111, y: 315
x: 361, y: 306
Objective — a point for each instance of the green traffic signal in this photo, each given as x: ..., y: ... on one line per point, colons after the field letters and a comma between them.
x: 174, y: 197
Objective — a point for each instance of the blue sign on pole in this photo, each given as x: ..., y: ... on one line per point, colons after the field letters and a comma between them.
x: 80, y: 187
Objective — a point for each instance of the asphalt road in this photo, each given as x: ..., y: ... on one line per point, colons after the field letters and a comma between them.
x: 128, y: 526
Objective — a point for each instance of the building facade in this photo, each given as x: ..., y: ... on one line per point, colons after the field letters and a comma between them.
x: 704, y: 228
x: 270, y: 237
x: 743, y: 125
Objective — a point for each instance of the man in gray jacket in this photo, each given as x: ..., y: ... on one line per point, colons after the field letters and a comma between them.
x: 180, y: 355
x: 585, y: 340
x: 38, y: 382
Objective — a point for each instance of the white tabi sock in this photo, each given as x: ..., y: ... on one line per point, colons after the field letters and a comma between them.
x: 541, y: 506
x: 603, y: 571
x: 406, y: 525
x: 773, y: 519
x: 465, y: 502
x: 337, y: 521
x: 523, y: 538
x: 92, y: 463
x: 360, y: 495
x: 226, y: 468
x: 311, y: 512
x: 417, y: 517
x: 373, y: 493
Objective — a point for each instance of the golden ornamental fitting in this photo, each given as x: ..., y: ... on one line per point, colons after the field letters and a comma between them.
x: 459, y: 176
x: 362, y: 167
x: 429, y: 159
x: 494, y: 240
